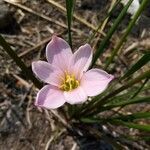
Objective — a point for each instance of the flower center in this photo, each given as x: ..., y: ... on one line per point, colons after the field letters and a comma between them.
x: 69, y: 83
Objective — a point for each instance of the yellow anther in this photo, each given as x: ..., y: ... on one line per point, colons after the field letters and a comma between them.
x: 69, y: 82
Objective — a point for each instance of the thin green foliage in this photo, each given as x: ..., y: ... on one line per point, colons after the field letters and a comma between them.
x: 121, y: 122
x: 91, y: 120
x: 135, y: 116
x: 137, y: 139
x: 28, y: 73
x: 140, y: 88
x: 69, y: 7
x: 138, y: 65
x: 129, y: 94
x: 131, y: 125
x: 142, y: 76
x: 126, y: 102
x: 128, y: 30
x: 107, y: 101
x: 99, y: 26
x: 108, y: 97
x: 104, y: 43
x: 129, y: 118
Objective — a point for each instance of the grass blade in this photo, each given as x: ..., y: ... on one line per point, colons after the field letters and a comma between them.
x: 108, y: 97
x: 104, y: 43
x: 140, y: 115
x: 139, y: 64
x: 127, y: 102
x: 128, y: 30
x: 19, y: 62
x: 101, y: 24
x: 140, y: 88
x: 69, y: 8
x: 126, y: 85
x: 131, y: 125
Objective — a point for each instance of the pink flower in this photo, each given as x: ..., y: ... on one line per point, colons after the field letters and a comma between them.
x: 66, y: 75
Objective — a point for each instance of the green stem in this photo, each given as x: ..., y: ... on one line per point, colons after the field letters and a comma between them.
x: 100, y: 25
x: 139, y: 64
x: 131, y: 125
x: 127, y: 85
x: 19, y: 62
x: 131, y: 117
x: 69, y: 8
x: 104, y: 43
x: 141, y: 87
x: 139, y: 115
x: 128, y: 30
x: 124, y: 103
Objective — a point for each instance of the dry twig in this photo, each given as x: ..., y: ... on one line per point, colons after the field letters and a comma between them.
x: 21, y: 80
x: 35, y: 47
x: 78, y: 18
x: 43, y: 16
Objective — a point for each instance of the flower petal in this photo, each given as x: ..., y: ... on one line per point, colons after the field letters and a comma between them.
x: 47, y: 72
x: 58, y: 52
x: 82, y: 59
x: 50, y: 97
x: 76, y: 96
x: 95, y: 81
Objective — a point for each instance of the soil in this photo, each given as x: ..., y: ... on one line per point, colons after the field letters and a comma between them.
x: 24, y: 126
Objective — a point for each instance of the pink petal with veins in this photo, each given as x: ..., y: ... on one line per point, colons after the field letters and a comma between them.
x: 82, y: 59
x: 50, y: 97
x: 58, y: 53
x: 47, y: 72
x: 76, y: 96
x: 95, y: 81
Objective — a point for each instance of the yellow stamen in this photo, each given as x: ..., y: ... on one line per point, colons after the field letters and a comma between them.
x: 69, y: 82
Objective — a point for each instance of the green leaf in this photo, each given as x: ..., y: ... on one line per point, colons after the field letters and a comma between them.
x: 116, y: 23
x: 127, y: 102
x: 96, y: 107
x: 28, y: 73
x: 137, y: 138
x: 128, y: 30
x: 140, y: 88
x: 106, y: 17
x: 135, y: 116
x: 139, y: 64
x: 69, y: 8
x: 131, y: 125
x: 142, y: 76
x: 91, y: 120
x: 122, y: 97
